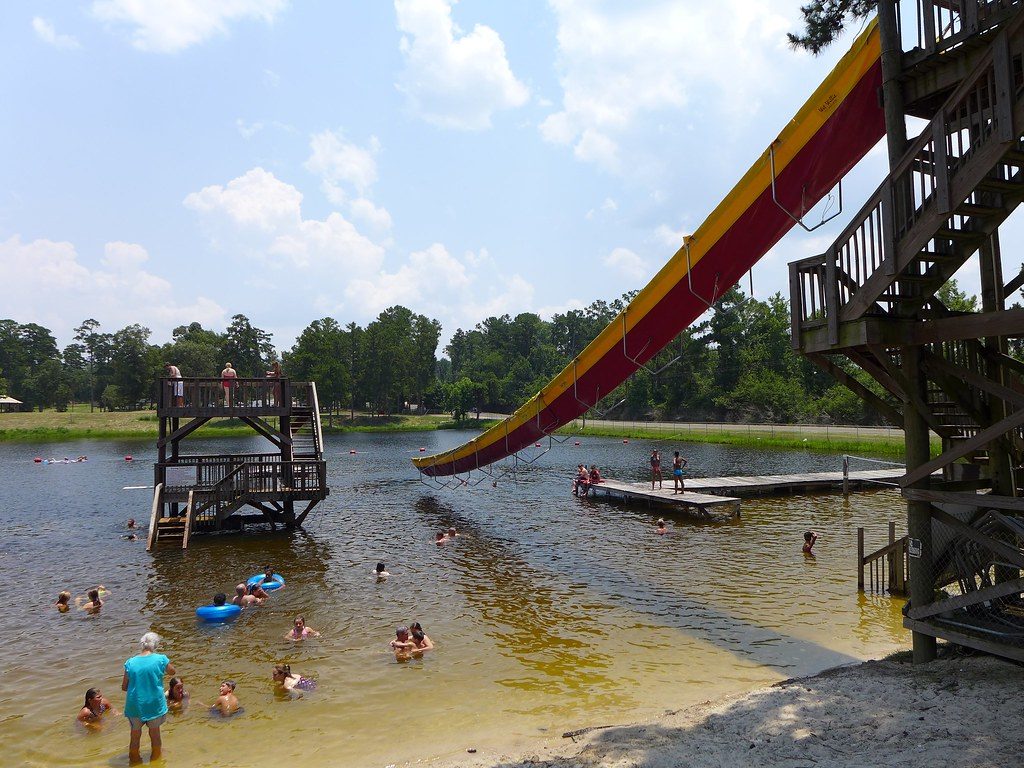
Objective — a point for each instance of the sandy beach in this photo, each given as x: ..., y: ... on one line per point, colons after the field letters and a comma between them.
x: 958, y: 711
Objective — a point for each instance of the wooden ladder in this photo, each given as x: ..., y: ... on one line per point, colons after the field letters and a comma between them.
x: 173, y: 529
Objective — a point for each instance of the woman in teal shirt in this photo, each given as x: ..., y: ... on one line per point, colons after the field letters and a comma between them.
x: 145, y: 703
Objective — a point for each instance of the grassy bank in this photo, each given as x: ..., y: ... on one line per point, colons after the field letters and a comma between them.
x: 808, y: 438
x: 80, y: 424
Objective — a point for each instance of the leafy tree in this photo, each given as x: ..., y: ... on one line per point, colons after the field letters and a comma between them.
x: 824, y: 21
x: 133, y: 368
x: 956, y: 300
x: 321, y: 354
x: 247, y: 348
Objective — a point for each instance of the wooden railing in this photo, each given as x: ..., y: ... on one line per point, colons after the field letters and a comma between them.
x: 907, y: 232
x: 887, y: 567
x: 258, y: 473
x: 942, y: 25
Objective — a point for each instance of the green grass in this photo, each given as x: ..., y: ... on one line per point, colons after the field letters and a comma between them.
x: 885, y: 446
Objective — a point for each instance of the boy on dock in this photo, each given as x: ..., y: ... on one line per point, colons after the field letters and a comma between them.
x: 655, y: 468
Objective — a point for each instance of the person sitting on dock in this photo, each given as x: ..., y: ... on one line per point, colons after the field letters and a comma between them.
x: 655, y: 468
x: 662, y: 530
x: 809, y: 538
x: 581, y: 484
x: 678, y: 462
x: 595, y: 476
x: 244, y: 600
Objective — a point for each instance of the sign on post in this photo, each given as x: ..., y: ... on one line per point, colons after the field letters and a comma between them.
x: 914, y: 547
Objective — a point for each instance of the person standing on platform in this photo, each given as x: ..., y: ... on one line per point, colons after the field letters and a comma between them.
x: 275, y: 375
x: 145, y: 703
x: 177, y: 385
x: 227, y: 380
x: 678, y: 462
x: 655, y: 468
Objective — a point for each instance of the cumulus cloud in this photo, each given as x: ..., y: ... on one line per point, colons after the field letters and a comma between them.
x: 626, y: 263
x: 44, y: 31
x: 263, y: 215
x: 336, y: 160
x: 621, y: 63
x: 452, y: 79
x: 48, y: 283
x: 161, y: 26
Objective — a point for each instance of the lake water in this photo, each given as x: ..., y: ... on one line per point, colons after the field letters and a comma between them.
x: 550, y: 613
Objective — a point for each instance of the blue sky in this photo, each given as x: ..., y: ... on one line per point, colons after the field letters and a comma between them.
x: 168, y: 162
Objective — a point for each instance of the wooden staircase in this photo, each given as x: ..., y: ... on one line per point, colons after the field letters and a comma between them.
x: 304, y: 427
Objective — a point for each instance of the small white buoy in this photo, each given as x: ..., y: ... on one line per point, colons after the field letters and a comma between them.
x: 353, y: 450
x: 422, y: 450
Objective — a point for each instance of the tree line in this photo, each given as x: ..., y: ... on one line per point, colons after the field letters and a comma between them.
x: 737, y: 364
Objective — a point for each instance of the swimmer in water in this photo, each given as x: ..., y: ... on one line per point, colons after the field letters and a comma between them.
x: 268, y: 576
x: 227, y: 703
x: 809, y: 538
x: 177, y: 696
x: 94, y: 603
x: 244, y: 600
x: 402, y: 644
x: 131, y: 522
x: 63, y: 602
x: 300, y: 631
x: 662, y: 530
x: 380, y: 573
x: 287, y: 680
x: 420, y: 641
x: 96, y: 706
x: 440, y: 539
x: 258, y: 592
x: 452, y: 533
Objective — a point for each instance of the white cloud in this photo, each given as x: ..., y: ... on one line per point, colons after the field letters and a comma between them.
x: 166, y: 26
x: 256, y: 198
x: 262, y: 215
x: 47, y: 283
x: 623, y: 63
x: 335, y: 160
x: 451, y: 79
x: 626, y: 263
x: 364, y: 210
x: 248, y: 130
x: 45, y: 32
x: 672, y: 238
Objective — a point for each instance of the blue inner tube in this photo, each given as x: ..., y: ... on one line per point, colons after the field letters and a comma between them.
x: 213, y: 613
x: 269, y: 586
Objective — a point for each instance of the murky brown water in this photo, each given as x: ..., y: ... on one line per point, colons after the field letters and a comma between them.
x: 549, y: 614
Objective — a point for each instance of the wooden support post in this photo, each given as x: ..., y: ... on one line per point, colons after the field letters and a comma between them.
x: 860, y: 559
x: 891, y: 584
x: 919, y: 513
x: 846, y: 477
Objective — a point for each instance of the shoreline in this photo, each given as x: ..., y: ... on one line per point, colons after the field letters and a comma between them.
x: 32, y: 427
x: 881, y: 713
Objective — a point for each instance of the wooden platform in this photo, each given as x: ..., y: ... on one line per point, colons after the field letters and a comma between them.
x: 717, y: 498
x: 771, y: 485
x: 705, y: 506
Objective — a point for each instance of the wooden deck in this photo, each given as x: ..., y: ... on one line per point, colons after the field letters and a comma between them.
x: 703, y: 505
x: 718, y: 498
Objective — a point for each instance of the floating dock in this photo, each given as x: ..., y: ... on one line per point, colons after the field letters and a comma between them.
x: 718, y: 498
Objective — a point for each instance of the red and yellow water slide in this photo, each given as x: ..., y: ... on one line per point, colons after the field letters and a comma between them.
x: 833, y: 130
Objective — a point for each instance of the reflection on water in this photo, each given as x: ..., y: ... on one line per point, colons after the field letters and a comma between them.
x: 549, y: 612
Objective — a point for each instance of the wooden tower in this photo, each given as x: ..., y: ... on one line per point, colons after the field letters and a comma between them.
x: 867, y: 309
x: 195, y: 492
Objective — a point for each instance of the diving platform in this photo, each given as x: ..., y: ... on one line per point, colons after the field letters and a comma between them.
x: 197, y: 492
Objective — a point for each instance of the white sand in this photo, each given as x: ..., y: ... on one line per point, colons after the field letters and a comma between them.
x: 958, y: 711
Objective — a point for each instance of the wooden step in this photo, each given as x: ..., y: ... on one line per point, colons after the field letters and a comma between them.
x: 972, y: 209
x: 1000, y: 185
x: 956, y: 234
